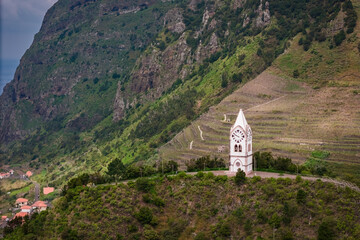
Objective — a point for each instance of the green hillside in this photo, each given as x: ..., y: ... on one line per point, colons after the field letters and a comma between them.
x: 200, y: 207
x: 125, y: 80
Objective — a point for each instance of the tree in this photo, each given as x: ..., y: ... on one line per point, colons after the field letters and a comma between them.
x: 240, y: 177
x: 224, y: 83
x: 116, y: 168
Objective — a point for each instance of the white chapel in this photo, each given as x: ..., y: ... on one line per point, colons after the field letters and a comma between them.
x: 241, y: 145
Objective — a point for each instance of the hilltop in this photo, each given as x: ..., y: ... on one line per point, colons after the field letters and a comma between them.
x: 176, y: 208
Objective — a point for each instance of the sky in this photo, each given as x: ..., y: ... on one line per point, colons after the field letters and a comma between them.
x: 20, y: 21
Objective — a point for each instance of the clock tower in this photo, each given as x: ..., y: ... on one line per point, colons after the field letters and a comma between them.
x: 241, y: 145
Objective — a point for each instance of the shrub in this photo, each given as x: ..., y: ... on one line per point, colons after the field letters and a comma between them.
x: 248, y: 227
x: 275, y: 221
x: 115, y: 75
x: 132, y: 228
x: 95, y: 80
x: 240, y: 177
x: 301, y: 196
x: 221, y: 178
x: 209, y: 175
x: 150, y: 234
x: 256, y: 179
x: 144, y: 184
x: 223, y: 229
x: 200, y: 174
x: 144, y: 215
x: 327, y: 230
x: 237, y: 77
x: 159, y: 202
x: 201, y: 236
x: 296, y: 73
x: 224, y: 83
x: 182, y: 175
x: 238, y: 213
x: 339, y: 38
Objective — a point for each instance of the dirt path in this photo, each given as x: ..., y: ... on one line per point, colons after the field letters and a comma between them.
x: 201, y: 133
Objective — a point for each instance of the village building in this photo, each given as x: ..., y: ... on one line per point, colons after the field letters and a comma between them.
x: 21, y: 214
x: 47, y: 190
x: 4, y: 218
x: 4, y: 175
x: 21, y: 202
x: 11, y: 172
x: 39, y: 206
x: 26, y: 208
x: 241, y: 145
x: 28, y: 174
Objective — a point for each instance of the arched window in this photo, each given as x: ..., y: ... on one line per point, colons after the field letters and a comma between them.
x: 236, y: 148
x: 240, y: 148
x: 249, y: 147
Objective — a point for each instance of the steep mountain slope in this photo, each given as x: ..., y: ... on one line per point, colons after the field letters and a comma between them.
x: 109, y: 79
x: 201, y: 207
x: 291, y: 115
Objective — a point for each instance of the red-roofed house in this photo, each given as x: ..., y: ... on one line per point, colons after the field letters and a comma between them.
x: 47, y: 190
x: 26, y: 208
x: 28, y: 174
x: 21, y: 202
x: 11, y: 172
x: 4, y: 175
x: 39, y: 206
x: 4, y: 218
x: 21, y: 214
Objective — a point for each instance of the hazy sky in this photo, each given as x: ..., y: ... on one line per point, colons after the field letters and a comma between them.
x: 20, y: 21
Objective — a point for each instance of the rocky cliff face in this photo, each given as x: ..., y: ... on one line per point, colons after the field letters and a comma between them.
x: 93, y: 58
x: 79, y: 42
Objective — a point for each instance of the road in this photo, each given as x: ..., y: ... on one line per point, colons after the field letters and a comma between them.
x: 291, y: 176
x: 36, y: 191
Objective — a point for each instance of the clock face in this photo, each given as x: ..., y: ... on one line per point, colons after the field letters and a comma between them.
x: 238, y: 136
x: 249, y: 134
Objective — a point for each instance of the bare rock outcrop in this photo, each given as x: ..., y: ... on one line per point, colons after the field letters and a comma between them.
x: 263, y: 18
x: 173, y: 20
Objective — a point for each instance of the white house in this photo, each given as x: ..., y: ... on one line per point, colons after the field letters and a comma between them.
x: 26, y: 208
x: 241, y: 145
x: 21, y: 202
x: 39, y: 206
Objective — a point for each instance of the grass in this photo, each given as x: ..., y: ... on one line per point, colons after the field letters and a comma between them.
x: 23, y: 190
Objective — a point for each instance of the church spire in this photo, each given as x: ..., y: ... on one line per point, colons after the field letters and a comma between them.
x: 241, y: 120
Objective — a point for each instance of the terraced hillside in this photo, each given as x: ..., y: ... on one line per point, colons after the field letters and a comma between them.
x: 306, y: 101
x: 290, y: 118
x: 287, y: 117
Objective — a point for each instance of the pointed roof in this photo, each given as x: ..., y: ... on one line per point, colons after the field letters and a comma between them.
x: 240, y: 120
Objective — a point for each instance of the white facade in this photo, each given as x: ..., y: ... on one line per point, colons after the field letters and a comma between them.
x: 241, y: 145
